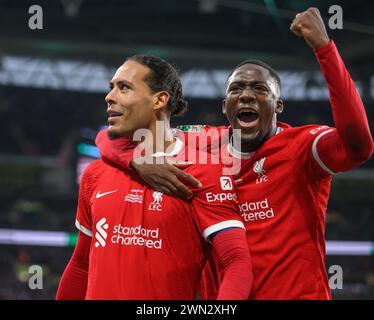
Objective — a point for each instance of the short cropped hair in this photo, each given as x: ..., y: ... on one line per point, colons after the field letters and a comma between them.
x: 163, y: 77
x: 260, y: 63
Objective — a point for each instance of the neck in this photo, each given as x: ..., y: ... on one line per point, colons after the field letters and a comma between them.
x: 253, y: 145
x: 158, y: 136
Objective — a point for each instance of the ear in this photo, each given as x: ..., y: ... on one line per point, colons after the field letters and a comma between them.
x: 224, y: 106
x: 161, y: 99
x: 279, y: 107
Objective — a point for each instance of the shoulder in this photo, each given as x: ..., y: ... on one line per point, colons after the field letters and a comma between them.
x: 94, y: 171
x: 308, y: 132
x: 95, y: 166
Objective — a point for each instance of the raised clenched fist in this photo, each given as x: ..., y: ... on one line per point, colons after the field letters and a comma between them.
x: 309, y: 25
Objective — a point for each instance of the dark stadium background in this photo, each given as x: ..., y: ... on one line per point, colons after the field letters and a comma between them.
x: 52, y: 88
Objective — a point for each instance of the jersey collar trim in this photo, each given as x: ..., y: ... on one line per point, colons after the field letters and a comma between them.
x: 177, y: 148
x: 244, y: 155
x: 238, y: 154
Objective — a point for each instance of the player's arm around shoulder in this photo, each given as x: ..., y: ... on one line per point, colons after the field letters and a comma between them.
x: 118, y: 151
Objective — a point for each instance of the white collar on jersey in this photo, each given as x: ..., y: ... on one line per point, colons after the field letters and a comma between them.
x: 177, y: 148
x: 244, y: 155
x: 238, y: 154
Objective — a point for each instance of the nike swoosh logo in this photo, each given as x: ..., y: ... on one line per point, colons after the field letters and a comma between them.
x: 99, y: 195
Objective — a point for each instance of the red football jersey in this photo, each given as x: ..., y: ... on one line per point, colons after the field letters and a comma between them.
x: 147, y: 245
x: 283, y: 190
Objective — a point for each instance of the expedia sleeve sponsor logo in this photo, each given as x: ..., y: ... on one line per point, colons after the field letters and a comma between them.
x: 259, y: 210
x: 220, y: 197
x: 226, y: 183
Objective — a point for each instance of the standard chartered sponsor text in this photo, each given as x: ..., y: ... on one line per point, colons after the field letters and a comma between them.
x: 257, y: 210
x: 136, y: 236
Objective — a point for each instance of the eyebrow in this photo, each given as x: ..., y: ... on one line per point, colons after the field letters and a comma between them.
x: 119, y: 82
x: 241, y: 82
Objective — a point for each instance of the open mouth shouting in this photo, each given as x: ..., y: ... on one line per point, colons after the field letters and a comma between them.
x: 247, y: 118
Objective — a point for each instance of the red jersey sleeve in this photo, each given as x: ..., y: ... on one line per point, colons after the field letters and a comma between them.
x: 215, y: 206
x: 304, y: 150
x: 325, y: 151
x: 73, y: 284
x: 83, y: 218
x: 117, y: 152
x: 351, y: 143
